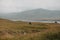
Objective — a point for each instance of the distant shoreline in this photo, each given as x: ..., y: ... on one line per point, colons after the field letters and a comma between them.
x: 43, y: 21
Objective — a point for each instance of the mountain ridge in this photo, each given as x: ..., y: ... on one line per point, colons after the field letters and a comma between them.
x: 33, y: 14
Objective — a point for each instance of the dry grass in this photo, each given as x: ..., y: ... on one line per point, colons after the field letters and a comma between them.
x: 18, y: 30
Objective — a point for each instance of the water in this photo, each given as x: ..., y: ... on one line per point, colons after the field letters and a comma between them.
x: 42, y: 21
x: 38, y: 21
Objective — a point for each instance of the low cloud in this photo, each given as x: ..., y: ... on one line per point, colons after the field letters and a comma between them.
x: 21, y: 5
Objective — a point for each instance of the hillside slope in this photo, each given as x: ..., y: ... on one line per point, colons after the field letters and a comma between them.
x: 33, y: 14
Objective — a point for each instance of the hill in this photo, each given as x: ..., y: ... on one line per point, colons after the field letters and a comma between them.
x: 35, y: 14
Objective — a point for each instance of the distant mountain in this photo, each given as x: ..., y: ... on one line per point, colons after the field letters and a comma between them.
x: 36, y: 14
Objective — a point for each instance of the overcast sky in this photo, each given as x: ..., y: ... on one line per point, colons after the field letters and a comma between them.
x: 21, y: 5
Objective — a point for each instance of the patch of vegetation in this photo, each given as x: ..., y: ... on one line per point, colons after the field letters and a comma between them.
x: 53, y: 36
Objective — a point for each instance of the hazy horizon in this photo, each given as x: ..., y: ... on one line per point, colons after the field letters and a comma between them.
x: 7, y: 6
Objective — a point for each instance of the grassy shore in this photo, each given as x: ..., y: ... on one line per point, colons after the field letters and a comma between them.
x: 19, y: 30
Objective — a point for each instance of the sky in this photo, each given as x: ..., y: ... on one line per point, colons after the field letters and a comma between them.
x: 7, y: 6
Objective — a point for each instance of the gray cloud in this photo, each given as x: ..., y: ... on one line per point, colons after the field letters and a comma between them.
x: 21, y: 5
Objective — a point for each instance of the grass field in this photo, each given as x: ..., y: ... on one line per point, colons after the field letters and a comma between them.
x: 19, y: 30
